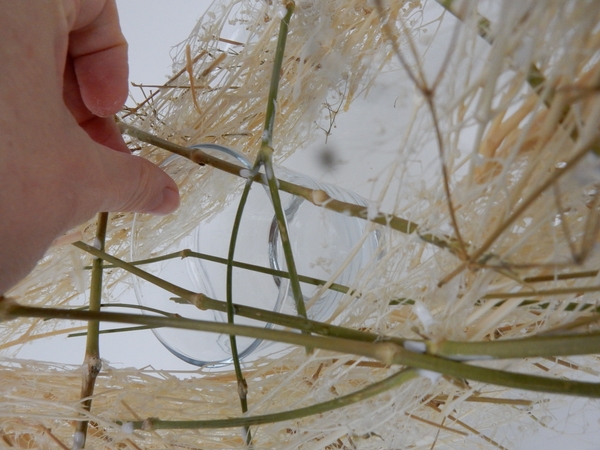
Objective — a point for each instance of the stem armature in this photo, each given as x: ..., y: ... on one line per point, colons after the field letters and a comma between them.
x: 388, y: 353
x: 559, y: 345
x: 317, y: 197
x: 92, y: 362
x: 263, y: 159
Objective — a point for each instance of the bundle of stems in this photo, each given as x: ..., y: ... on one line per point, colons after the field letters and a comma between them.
x: 481, y: 309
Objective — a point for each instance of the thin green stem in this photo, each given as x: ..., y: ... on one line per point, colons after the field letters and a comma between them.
x: 140, y: 307
x: 126, y: 306
x: 265, y: 157
x: 130, y: 306
x: 113, y: 330
x: 572, y: 306
x: 314, y: 196
x: 92, y: 359
x: 242, y: 385
x: 187, y: 253
x: 386, y: 352
x: 203, y: 302
x: 93, y: 344
x: 267, y: 137
x: 376, y: 350
x: 267, y: 154
x: 372, y: 390
x: 560, y: 345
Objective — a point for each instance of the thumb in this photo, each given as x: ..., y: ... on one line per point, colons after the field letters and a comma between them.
x: 129, y: 183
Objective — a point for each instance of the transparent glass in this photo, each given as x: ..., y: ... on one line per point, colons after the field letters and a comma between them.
x: 321, y: 241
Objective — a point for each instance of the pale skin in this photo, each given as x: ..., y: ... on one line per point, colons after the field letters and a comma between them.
x: 63, y: 75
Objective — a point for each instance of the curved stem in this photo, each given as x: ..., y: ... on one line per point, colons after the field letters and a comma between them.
x: 264, y: 157
x: 372, y: 390
x: 241, y: 381
x: 123, y: 329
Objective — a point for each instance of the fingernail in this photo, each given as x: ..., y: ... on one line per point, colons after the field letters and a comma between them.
x: 170, y: 202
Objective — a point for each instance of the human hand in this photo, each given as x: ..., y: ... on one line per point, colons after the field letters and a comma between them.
x: 62, y: 158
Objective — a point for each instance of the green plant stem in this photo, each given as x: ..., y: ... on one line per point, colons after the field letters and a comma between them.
x: 535, y: 346
x: 11, y: 310
x: 124, y: 329
x: 203, y: 302
x: 386, y: 352
x: 92, y: 360
x: 267, y: 137
x: 314, y: 196
x: 242, y: 385
x: 492, y: 376
x: 140, y: 307
x: 372, y: 390
x: 113, y: 330
x: 265, y: 158
x: 187, y: 253
x: 552, y: 345
x: 130, y: 306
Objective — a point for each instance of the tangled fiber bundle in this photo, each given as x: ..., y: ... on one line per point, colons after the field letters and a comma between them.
x: 487, y: 206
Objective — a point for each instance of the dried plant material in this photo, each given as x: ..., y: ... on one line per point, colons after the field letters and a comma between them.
x: 504, y: 100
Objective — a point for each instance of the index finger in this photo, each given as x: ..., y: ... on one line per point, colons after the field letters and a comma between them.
x: 99, y: 52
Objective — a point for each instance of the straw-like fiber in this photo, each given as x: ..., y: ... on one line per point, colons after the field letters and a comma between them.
x: 505, y: 141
